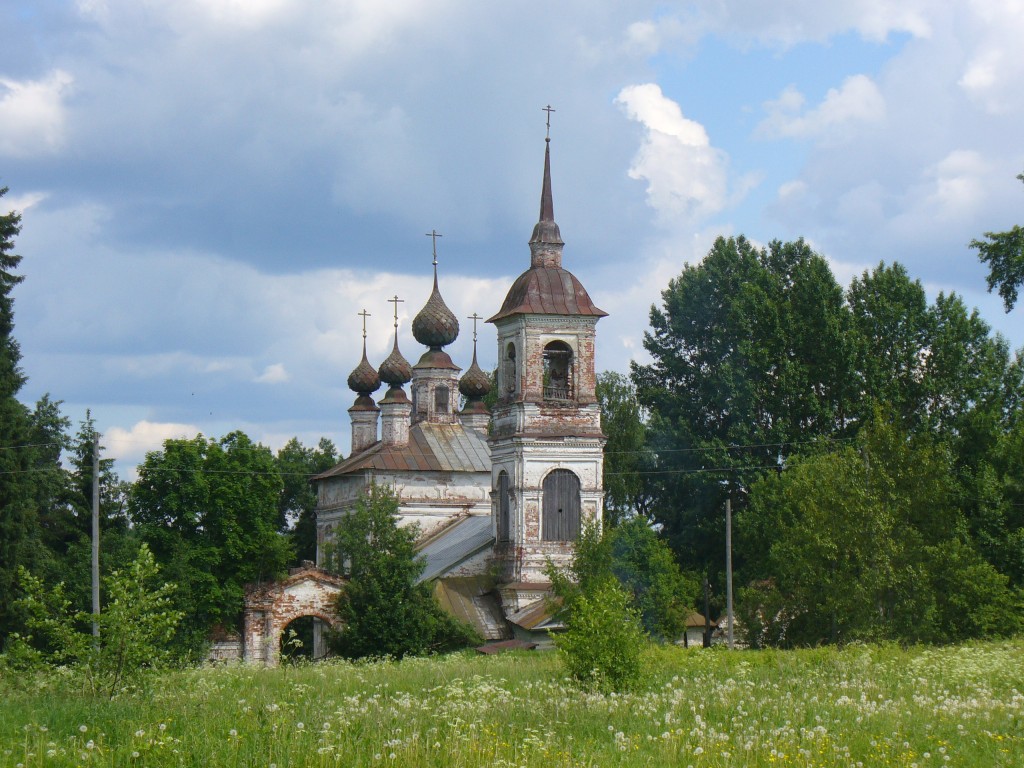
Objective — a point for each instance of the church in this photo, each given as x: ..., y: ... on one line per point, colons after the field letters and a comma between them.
x: 496, y: 494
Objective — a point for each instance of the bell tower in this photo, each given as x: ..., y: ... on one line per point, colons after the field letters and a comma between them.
x: 546, y: 440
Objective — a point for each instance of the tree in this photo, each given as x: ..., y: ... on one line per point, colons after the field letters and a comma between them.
x: 603, y: 642
x: 383, y: 609
x: 208, y: 509
x: 135, y: 627
x: 297, y: 505
x: 867, y: 543
x: 626, y: 456
x: 644, y: 564
x: 757, y: 354
x: 72, y: 524
x: 1004, y: 254
x: 17, y: 453
x: 751, y: 352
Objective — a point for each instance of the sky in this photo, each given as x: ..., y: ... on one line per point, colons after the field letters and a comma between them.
x: 211, y: 190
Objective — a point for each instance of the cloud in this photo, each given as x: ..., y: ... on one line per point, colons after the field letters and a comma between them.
x: 273, y: 374
x: 130, y: 445
x: 686, y: 177
x: 993, y: 72
x: 857, y: 101
x: 32, y: 114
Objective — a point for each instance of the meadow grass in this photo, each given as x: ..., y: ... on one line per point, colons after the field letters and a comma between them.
x: 859, y: 706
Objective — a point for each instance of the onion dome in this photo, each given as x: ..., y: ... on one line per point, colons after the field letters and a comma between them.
x: 435, y: 326
x: 474, y: 383
x: 364, y: 378
x: 395, y: 370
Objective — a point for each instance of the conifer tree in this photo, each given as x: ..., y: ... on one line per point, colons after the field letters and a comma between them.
x: 16, y: 488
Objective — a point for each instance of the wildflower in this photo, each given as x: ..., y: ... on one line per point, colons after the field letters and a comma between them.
x: 699, y: 751
x: 83, y: 728
x: 140, y: 733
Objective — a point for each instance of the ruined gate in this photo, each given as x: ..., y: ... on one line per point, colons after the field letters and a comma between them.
x: 270, y: 607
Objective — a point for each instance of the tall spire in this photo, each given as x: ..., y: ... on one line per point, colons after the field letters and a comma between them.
x: 546, y: 243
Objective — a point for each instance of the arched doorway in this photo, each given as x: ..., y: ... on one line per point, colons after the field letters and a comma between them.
x: 270, y: 608
x: 302, y: 639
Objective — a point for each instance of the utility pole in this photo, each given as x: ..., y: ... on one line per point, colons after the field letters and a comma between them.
x: 96, y: 534
x: 707, y: 613
x: 728, y: 568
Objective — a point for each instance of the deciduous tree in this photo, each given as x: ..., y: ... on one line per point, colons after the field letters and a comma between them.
x: 208, y: 509
x: 1004, y: 254
x: 383, y: 609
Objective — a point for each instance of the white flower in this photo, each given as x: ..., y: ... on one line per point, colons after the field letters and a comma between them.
x: 83, y: 728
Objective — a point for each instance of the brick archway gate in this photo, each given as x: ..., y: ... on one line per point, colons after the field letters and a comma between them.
x: 270, y: 607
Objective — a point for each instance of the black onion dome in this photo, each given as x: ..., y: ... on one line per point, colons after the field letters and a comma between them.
x: 435, y: 325
x: 364, y: 379
x: 395, y: 370
x: 474, y: 382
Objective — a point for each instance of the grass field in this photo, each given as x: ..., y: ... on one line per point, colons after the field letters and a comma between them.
x: 861, y: 706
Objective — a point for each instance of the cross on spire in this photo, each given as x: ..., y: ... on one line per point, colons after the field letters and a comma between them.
x: 396, y: 301
x: 364, y: 314
x: 433, y: 235
x: 549, y: 109
x: 474, y: 317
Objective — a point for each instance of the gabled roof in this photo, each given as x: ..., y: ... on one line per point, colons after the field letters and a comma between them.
x: 431, y: 448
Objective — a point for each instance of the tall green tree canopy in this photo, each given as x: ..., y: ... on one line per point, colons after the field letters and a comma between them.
x: 297, y: 503
x: 383, y: 610
x: 16, y: 484
x: 866, y: 542
x: 208, y: 509
x: 1004, y: 254
x: 31, y: 479
x: 750, y: 352
x: 757, y: 353
x: 626, y: 456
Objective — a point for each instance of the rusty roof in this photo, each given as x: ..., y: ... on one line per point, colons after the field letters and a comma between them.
x: 431, y: 448
x: 547, y: 291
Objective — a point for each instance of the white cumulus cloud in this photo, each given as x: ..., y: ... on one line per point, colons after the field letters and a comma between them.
x: 686, y: 176
x: 129, y: 446
x: 857, y: 101
x: 32, y: 114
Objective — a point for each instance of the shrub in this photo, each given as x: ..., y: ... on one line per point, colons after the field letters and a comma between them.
x: 603, y: 642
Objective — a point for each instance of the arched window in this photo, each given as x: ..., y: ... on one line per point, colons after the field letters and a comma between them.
x: 504, y: 506
x: 558, y: 372
x: 561, y: 508
x: 441, y: 399
x: 509, y: 369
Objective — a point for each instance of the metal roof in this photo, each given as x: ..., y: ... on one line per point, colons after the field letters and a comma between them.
x: 456, y: 544
x: 547, y: 291
x: 431, y: 448
x: 474, y: 601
